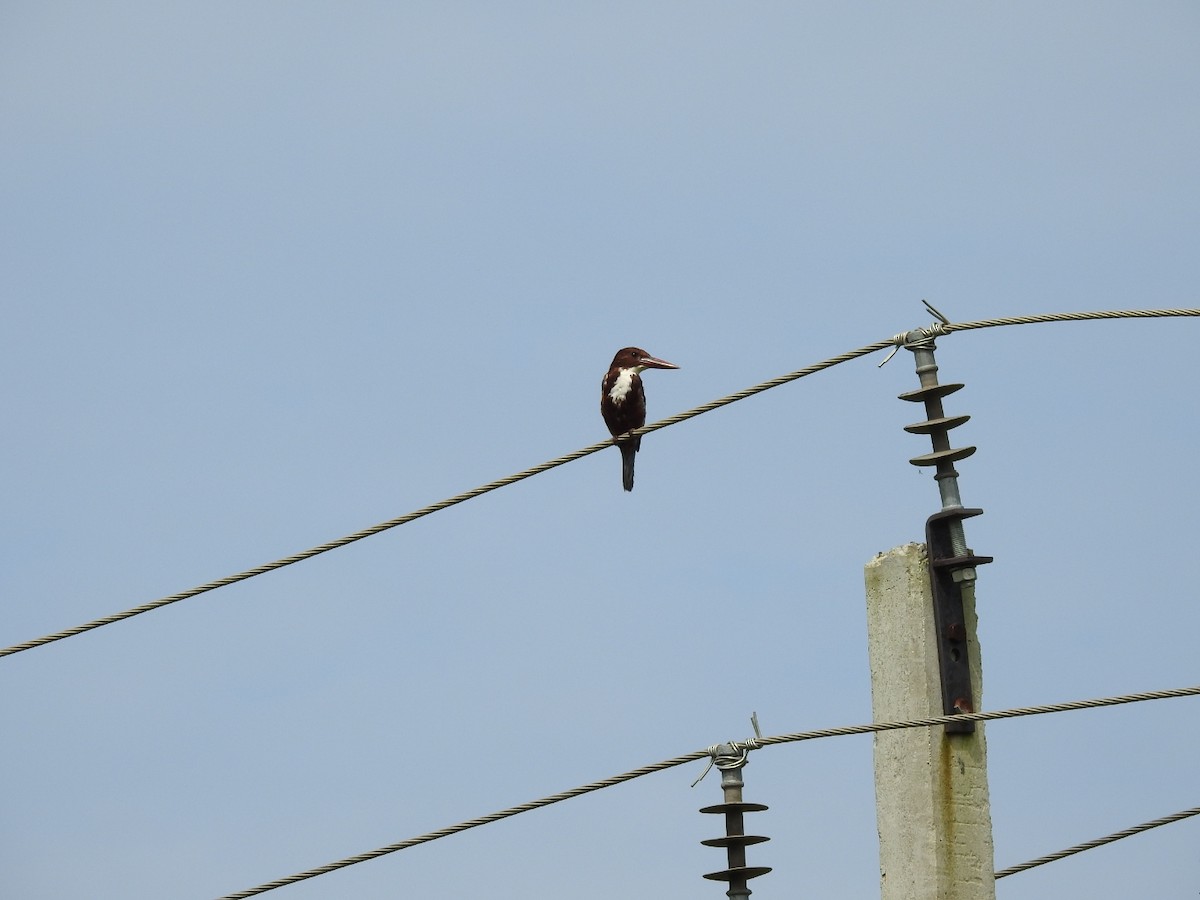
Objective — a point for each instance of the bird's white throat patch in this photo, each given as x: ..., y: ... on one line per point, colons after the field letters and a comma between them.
x: 624, y: 383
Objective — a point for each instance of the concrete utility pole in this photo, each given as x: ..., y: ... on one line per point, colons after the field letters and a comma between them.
x: 931, y: 789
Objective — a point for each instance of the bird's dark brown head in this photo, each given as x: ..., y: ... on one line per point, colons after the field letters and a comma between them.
x: 637, y: 359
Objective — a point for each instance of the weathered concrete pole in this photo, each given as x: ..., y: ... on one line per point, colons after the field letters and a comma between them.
x: 931, y: 789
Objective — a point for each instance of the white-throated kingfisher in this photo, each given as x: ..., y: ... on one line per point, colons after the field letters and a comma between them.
x: 623, y: 402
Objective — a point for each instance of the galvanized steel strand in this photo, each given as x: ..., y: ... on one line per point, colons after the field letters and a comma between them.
x: 1099, y: 842
x: 700, y: 754
x: 571, y: 457
x: 464, y: 826
x: 1072, y: 317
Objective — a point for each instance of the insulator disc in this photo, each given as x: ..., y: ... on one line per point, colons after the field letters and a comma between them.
x: 941, y: 456
x: 735, y: 807
x: 929, y: 426
x: 734, y: 840
x: 739, y: 873
x: 927, y: 393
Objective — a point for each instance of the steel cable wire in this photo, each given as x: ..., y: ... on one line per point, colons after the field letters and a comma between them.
x: 1099, y: 842
x: 700, y: 754
x: 571, y: 457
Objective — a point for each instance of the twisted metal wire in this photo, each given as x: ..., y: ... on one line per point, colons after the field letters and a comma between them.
x: 988, y: 716
x: 736, y: 759
x: 470, y: 823
x: 743, y: 746
x: 305, y: 554
x: 571, y: 457
x: 1072, y: 317
x: 1099, y: 842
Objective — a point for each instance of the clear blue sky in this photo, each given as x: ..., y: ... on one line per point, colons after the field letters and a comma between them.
x: 275, y: 272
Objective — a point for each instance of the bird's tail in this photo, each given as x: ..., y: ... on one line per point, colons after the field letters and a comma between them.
x: 628, y: 452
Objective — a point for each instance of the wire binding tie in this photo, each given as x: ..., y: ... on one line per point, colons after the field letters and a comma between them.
x: 738, y: 759
x: 904, y: 339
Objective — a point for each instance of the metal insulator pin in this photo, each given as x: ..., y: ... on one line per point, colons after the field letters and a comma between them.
x: 938, y: 425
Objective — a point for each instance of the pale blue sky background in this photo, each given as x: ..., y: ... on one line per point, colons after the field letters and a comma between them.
x: 274, y: 272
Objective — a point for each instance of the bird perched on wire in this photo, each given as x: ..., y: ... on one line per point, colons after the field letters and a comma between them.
x: 623, y: 401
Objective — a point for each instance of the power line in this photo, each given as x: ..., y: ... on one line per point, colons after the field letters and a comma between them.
x: 1071, y: 317
x: 571, y: 457
x: 1099, y: 842
x: 1015, y: 712
x: 700, y: 754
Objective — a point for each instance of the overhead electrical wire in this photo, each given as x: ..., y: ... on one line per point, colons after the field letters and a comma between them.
x: 896, y: 341
x: 869, y: 728
x: 1099, y: 842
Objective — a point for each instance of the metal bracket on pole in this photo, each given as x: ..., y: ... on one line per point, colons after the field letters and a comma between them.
x: 948, y: 619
